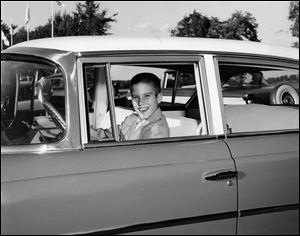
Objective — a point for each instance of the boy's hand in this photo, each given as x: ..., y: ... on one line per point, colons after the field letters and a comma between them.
x: 93, y: 133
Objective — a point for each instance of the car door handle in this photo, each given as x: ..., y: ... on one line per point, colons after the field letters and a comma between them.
x: 221, y: 175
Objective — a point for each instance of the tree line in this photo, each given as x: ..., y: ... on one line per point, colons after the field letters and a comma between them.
x: 88, y: 19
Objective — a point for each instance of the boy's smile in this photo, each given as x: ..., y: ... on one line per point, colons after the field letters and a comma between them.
x: 144, y: 99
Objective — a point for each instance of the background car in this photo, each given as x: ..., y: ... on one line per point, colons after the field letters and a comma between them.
x: 255, y: 87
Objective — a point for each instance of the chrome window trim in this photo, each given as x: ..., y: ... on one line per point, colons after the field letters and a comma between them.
x: 221, y: 97
x: 199, y: 69
x: 82, y: 105
x: 202, y: 90
x: 49, y: 147
x: 261, y: 133
x: 241, y: 55
x: 203, y: 138
x: 145, y: 57
x: 215, y: 103
x: 261, y: 62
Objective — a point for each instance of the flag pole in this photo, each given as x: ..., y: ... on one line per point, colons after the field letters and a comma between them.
x: 11, y: 33
x: 52, y: 21
x: 27, y: 25
x: 27, y: 32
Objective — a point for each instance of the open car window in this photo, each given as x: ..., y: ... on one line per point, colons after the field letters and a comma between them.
x: 32, y: 103
x: 259, y: 98
x: 179, y: 104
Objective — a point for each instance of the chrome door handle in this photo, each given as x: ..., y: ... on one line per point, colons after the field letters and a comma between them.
x: 221, y: 175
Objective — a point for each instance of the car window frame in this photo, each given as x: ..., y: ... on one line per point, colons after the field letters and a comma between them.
x: 254, y: 61
x: 40, y: 147
x: 127, y: 58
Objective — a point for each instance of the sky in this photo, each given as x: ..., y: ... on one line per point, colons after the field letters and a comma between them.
x: 157, y: 18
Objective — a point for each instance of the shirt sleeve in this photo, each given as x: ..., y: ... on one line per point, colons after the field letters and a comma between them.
x: 155, y: 131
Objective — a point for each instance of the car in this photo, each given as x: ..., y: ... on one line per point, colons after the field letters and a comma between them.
x: 227, y: 167
x: 248, y: 86
x: 253, y: 87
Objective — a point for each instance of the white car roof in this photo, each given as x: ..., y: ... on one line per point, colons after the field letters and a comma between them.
x: 111, y: 43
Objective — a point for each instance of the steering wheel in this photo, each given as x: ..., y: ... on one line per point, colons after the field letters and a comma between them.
x: 43, y: 97
x: 55, y: 115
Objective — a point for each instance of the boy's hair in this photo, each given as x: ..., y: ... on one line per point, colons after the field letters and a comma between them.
x: 147, y: 78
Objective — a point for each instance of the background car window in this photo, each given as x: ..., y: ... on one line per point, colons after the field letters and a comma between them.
x: 179, y: 103
x: 32, y: 103
x: 259, y: 98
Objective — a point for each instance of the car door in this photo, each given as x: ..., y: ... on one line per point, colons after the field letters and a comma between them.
x: 176, y: 185
x: 264, y: 142
x: 182, y: 185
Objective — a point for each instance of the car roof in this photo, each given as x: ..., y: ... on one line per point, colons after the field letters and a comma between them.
x: 111, y: 43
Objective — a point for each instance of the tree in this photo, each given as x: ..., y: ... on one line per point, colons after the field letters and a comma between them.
x: 63, y: 26
x: 86, y: 20
x: 194, y: 25
x: 294, y: 17
x: 21, y: 35
x: 89, y: 22
x: 7, y: 32
x: 241, y: 26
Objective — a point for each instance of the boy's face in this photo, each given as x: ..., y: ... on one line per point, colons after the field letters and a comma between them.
x: 144, y: 99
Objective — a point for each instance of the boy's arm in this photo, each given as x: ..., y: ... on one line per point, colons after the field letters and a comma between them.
x: 100, y: 133
x: 155, y: 131
x: 105, y: 133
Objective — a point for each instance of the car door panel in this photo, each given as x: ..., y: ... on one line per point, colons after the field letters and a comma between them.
x: 110, y: 188
x: 268, y: 167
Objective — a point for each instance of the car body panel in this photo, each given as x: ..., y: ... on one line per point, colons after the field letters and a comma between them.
x: 276, y: 157
x: 87, y: 44
x: 95, y: 190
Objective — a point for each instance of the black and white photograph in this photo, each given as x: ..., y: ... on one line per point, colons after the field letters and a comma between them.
x: 149, y: 117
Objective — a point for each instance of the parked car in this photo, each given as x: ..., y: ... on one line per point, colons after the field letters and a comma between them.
x: 227, y: 167
x: 248, y: 86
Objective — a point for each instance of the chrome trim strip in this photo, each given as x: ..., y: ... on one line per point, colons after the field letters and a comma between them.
x: 203, y: 138
x: 140, y: 58
x: 193, y: 220
x: 166, y: 223
x: 267, y: 210
x: 261, y: 133
x: 81, y: 97
x: 184, y: 139
x: 186, y: 52
x: 201, y: 83
x: 269, y: 62
x: 221, y: 97
x: 215, y: 99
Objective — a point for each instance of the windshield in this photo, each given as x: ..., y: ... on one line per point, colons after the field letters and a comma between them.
x: 32, y: 103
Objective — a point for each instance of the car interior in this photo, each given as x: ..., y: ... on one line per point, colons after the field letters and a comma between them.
x: 33, y: 108
x: 180, y: 105
x: 32, y: 111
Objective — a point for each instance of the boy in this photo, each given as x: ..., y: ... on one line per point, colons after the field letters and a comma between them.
x: 147, y: 121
